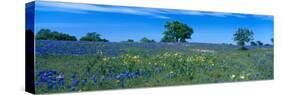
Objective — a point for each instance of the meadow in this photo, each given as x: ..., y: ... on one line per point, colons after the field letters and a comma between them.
x: 65, y: 66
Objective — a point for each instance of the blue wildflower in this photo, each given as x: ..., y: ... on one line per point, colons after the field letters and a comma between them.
x: 171, y: 74
x: 74, y: 82
x: 84, y: 81
x: 73, y: 88
x: 60, y: 79
x: 51, y: 84
x: 242, y: 66
x: 94, y: 80
x: 158, y: 70
x: 73, y: 76
x: 50, y: 78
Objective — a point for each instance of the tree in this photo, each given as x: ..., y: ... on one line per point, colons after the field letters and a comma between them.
x: 272, y: 40
x: 47, y: 34
x: 253, y: 43
x: 259, y: 43
x: 146, y: 40
x: 176, y: 31
x: 168, y: 38
x: 43, y: 34
x: 267, y: 45
x: 243, y: 36
x: 93, y: 36
x: 130, y: 40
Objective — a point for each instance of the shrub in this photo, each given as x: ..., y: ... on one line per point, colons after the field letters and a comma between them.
x: 47, y: 34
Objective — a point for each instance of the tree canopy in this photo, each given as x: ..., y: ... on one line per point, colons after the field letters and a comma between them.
x: 254, y: 43
x: 243, y: 36
x: 176, y: 31
x: 93, y: 36
x: 130, y: 40
x: 259, y: 43
x: 47, y: 34
x: 146, y: 40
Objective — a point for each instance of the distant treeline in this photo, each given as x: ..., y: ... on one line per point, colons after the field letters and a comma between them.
x: 174, y: 31
x: 47, y: 34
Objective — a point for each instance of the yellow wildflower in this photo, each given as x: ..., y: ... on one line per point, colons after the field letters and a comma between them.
x: 242, y: 77
x: 233, y: 76
x: 171, y: 72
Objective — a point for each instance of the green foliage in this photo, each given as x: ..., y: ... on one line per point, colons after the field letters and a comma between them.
x: 176, y: 31
x: 168, y: 38
x: 93, y: 36
x: 253, y: 43
x: 47, y: 34
x: 243, y: 36
x: 146, y: 40
x: 259, y: 43
x: 130, y: 40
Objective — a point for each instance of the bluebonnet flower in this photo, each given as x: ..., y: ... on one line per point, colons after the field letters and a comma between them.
x: 111, y: 72
x: 262, y: 63
x: 73, y: 89
x: 122, y: 76
x: 73, y: 76
x: 87, y: 70
x: 257, y: 75
x: 207, y: 78
x: 171, y: 74
x: 49, y: 78
x: 51, y: 72
x: 158, y: 69
x: 209, y: 68
x: 94, y: 80
x: 242, y: 66
x: 51, y: 84
x: 135, y: 74
x: 74, y: 82
x: 146, y: 73
x: 73, y: 85
x: 84, y: 81
x: 60, y: 79
x: 102, y: 78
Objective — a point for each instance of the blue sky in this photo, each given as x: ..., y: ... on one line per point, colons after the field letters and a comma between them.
x: 117, y: 23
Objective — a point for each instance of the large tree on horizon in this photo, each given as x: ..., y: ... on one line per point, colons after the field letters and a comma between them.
x: 176, y: 31
x: 243, y: 36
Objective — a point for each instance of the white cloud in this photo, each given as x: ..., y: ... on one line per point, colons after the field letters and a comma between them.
x: 200, y: 13
x: 86, y: 8
x: 156, y: 13
x: 264, y: 17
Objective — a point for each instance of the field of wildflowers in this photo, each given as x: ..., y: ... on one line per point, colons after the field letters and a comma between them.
x: 65, y: 66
